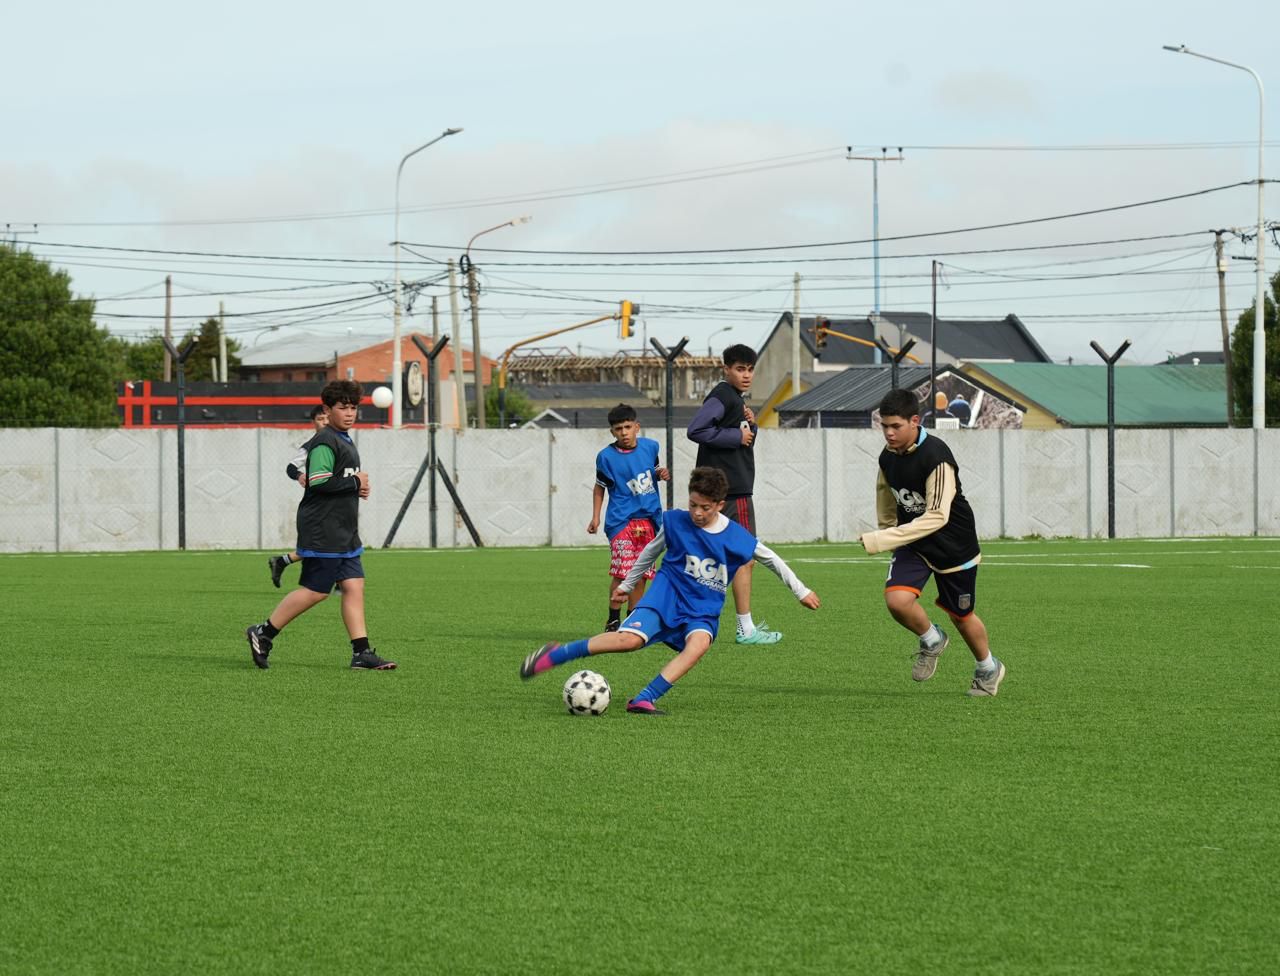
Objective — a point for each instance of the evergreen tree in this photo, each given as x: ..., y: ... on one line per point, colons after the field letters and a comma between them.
x: 57, y: 368
x: 1242, y: 361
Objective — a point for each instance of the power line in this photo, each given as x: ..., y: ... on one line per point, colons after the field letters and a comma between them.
x: 867, y: 240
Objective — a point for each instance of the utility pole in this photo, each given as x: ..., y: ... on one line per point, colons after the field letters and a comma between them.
x: 459, y: 373
x: 1226, y: 332
x: 473, y: 293
x: 434, y: 405
x: 222, y: 343
x: 795, y: 339
x: 168, y: 327
x: 875, y: 161
x: 933, y: 343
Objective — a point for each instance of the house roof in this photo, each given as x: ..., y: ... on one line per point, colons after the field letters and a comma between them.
x: 854, y: 389
x: 304, y: 349
x: 1146, y: 396
x: 571, y: 392
x: 967, y: 339
x: 1206, y: 357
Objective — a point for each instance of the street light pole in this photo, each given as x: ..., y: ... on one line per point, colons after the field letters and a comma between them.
x: 473, y: 293
x: 397, y: 365
x: 875, y: 161
x: 1260, y: 309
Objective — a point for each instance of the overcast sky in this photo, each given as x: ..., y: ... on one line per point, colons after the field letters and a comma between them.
x: 267, y: 135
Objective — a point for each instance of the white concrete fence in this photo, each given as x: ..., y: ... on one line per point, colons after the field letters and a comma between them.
x: 112, y: 490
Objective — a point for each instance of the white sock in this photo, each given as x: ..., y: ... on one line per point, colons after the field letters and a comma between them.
x: 931, y: 637
x: 987, y: 666
x: 745, y: 624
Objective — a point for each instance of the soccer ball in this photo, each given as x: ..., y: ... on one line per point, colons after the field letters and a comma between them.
x: 382, y: 397
x: 586, y: 693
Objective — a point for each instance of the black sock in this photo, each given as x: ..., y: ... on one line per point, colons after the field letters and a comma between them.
x: 359, y: 645
x: 285, y: 557
x: 267, y: 630
x: 615, y: 613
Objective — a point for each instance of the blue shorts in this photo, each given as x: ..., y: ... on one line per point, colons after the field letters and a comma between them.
x: 646, y: 622
x: 956, y: 591
x: 322, y: 574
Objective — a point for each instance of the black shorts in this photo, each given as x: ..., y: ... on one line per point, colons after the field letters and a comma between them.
x: 323, y: 573
x: 956, y: 591
x: 741, y: 509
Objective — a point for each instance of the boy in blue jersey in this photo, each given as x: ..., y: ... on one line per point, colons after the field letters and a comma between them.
x: 328, y: 534
x: 628, y: 470
x: 682, y: 608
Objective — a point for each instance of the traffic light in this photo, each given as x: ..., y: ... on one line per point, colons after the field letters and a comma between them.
x: 820, y: 327
x: 626, y: 309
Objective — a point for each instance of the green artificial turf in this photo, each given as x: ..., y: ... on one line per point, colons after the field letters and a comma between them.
x: 804, y: 808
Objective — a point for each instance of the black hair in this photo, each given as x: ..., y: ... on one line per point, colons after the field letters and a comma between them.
x: 316, y: 411
x: 899, y: 403
x: 709, y: 483
x: 738, y: 353
x: 621, y: 414
x: 342, y: 391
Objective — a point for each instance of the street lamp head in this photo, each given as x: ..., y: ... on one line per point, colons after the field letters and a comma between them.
x: 1180, y: 49
x: 522, y: 220
x: 452, y: 132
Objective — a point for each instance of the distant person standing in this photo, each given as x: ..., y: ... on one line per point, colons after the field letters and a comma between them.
x: 961, y: 410
x: 294, y: 470
x: 725, y: 431
x: 627, y: 471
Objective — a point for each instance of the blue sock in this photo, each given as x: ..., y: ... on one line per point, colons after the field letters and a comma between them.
x: 654, y: 690
x: 569, y: 652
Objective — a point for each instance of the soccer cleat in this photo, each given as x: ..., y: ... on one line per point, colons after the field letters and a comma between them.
x: 927, y: 658
x: 761, y: 635
x: 259, y: 646
x: 987, y: 685
x: 277, y: 565
x: 612, y: 624
x: 538, y: 661
x: 643, y: 707
x: 369, y: 661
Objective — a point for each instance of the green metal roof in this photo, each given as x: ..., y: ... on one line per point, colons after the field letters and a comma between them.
x: 1146, y: 396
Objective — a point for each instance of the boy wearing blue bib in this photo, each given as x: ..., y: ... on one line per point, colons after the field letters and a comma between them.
x: 682, y: 608
x: 629, y: 471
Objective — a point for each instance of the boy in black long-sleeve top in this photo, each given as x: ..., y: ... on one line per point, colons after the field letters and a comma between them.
x: 725, y: 431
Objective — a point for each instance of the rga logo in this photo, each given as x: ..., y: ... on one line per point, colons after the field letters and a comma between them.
x: 641, y: 484
x: 909, y: 500
x: 708, y: 572
x: 348, y: 472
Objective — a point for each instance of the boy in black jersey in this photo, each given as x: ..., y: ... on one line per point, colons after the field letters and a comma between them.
x: 725, y: 431
x: 927, y: 522
x: 328, y: 536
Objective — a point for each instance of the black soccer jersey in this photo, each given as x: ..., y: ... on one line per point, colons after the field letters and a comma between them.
x: 907, y: 475
x: 738, y: 463
x: 329, y: 512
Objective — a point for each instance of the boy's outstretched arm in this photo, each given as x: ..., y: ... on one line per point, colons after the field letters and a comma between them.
x: 767, y: 557
x: 940, y: 491
x: 648, y: 556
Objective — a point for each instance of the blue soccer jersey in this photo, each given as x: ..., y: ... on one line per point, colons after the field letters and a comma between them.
x: 697, y: 568
x: 631, y: 479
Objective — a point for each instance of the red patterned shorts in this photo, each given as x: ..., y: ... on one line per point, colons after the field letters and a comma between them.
x: 627, y: 545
